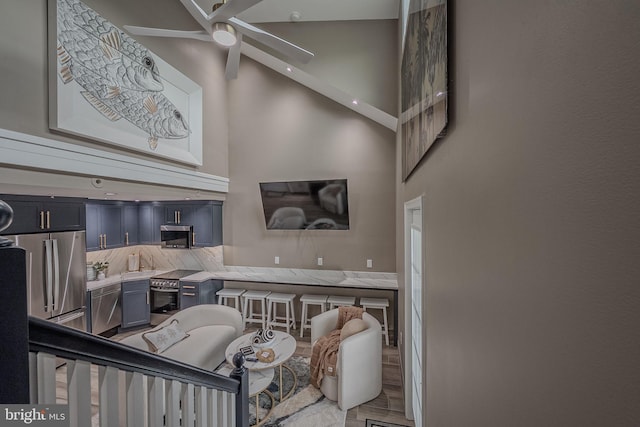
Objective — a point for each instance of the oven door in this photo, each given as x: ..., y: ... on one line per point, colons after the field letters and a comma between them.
x: 164, y: 300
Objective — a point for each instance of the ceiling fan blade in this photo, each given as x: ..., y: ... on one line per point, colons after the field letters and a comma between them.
x: 275, y: 42
x: 161, y: 32
x: 198, y: 14
x: 233, y: 60
x: 231, y: 8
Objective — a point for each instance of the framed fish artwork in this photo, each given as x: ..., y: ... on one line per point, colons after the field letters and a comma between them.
x: 106, y: 86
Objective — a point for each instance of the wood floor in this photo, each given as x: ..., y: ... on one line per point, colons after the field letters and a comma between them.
x: 388, y: 406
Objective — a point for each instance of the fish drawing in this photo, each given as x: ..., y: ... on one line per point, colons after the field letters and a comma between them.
x: 119, y: 76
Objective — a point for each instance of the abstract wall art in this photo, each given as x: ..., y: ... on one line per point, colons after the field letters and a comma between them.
x: 424, y: 80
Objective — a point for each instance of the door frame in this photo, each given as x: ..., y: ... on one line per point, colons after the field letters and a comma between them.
x: 410, y: 206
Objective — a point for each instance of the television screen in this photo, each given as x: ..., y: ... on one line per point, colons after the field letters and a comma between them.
x: 305, y: 205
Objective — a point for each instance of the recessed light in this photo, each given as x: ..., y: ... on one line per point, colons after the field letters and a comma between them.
x: 187, y: 198
x: 110, y: 194
x: 289, y: 69
x: 354, y: 102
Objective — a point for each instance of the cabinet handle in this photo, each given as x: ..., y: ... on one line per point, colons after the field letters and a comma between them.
x: 175, y: 216
x: 41, y: 220
x: 105, y: 241
x: 188, y: 287
x: 48, y: 220
x: 179, y: 217
x: 148, y: 297
x: 193, y: 239
x: 188, y: 294
x: 126, y: 238
x: 100, y: 245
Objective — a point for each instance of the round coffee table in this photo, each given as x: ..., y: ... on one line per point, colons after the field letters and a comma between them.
x: 283, y: 347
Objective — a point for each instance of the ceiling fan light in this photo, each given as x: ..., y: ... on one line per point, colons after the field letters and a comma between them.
x: 224, y: 34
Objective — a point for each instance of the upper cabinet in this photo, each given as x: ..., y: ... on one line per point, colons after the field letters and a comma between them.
x: 206, y: 219
x: 151, y: 217
x: 44, y: 214
x: 105, y: 223
x: 131, y: 224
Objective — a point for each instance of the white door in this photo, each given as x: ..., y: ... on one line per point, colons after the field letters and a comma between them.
x: 415, y: 313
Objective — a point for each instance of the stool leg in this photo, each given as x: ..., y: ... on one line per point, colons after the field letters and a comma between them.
x: 386, y: 326
x: 244, y: 312
x: 293, y: 314
x: 303, y: 319
x: 323, y: 307
x: 262, y: 304
x: 287, y: 318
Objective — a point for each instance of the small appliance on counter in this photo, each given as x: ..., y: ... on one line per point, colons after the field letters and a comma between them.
x: 133, y: 262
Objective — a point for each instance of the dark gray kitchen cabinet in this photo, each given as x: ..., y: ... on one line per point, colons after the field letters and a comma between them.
x: 131, y: 228
x: 178, y: 213
x: 135, y: 304
x: 32, y: 214
x: 151, y: 217
x: 104, y: 226
x: 206, y: 219
x: 194, y: 293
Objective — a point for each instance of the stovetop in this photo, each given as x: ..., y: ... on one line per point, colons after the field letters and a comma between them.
x: 175, y: 274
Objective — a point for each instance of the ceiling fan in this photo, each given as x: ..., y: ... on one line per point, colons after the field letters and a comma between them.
x: 223, y: 27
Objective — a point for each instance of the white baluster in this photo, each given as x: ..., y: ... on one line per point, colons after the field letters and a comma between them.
x: 212, y: 407
x: 46, y: 378
x: 188, y: 405
x: 79, y: 392
x: 135, y: 399
x: 173, y: 403
x: 155, y: 390
x: 224, y: 409
x: 232, y: 409
x: 202, y: 419
x: 108, y: 392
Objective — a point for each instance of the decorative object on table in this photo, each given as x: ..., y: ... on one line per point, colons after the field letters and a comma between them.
x: 91, y: 272
x: 139, y: 101
x: 6, y: 217
x: 247, y: 351
x: 265, y: 355
x: 263, y: 337
x: 424, y: 80
x: 133, y: 262
x: 101, y: 268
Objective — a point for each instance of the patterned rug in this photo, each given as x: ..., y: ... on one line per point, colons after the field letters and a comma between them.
x: 374, y: 423
x: 307, y: 406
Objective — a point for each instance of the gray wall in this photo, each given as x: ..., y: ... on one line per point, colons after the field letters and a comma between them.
x: 279, y: 131
x: 531, y: 219
x: 23, y: 66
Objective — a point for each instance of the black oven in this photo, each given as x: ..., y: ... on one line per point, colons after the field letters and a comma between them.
x: 165, y: 294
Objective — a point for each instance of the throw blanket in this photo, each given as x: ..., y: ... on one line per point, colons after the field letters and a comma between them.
x: 324, y: 356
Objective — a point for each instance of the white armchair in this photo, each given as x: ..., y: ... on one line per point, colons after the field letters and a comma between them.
x: 359, y: 364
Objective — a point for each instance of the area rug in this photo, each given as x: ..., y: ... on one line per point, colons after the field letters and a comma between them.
x: 374, y: 423
x: 307, y: 406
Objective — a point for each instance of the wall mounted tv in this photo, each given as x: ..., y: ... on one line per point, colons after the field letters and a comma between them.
x: 305, y: 205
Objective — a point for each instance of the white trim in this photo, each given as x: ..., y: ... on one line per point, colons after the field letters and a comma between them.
x: 411, y: 205
x: 31, y: 151
x: 317, y: 85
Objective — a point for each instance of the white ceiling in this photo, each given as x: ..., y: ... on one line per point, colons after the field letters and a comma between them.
x: 315, y: 10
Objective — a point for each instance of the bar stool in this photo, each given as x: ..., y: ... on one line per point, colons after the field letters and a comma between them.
x: 381, y: 304
x: 226, y: 294
x: 248, y: 316
x: 289, y: 319
x: 339, y: 301
x: 306, y: 301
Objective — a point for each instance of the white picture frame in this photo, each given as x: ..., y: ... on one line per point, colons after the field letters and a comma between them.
x: 71, y: 112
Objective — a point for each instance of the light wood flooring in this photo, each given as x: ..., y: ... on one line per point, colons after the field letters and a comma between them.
x: 388, y: 406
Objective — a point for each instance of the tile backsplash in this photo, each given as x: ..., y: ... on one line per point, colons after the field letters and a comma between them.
x: 154, y: 257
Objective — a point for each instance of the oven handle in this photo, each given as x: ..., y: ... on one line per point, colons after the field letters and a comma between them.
x: 164, y: 290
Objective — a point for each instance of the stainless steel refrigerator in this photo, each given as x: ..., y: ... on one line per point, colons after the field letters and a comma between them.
x: 56, y: 276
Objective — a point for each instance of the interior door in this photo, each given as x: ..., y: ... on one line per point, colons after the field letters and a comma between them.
x: 416, y: 320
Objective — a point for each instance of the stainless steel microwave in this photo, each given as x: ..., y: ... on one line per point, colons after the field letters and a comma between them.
x: 176, y: 236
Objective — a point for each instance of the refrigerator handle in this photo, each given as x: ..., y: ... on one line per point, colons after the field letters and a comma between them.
x: 56, y: 275
x: 48, y: 292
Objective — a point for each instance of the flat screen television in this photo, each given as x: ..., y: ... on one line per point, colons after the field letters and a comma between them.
x: 305, y: 205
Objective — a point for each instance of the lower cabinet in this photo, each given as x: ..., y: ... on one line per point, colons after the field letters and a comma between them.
x: 194, y: 293
x: 135, y: 304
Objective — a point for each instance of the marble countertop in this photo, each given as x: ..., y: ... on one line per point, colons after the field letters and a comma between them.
x: 300, y: 276
x: 292, y: 276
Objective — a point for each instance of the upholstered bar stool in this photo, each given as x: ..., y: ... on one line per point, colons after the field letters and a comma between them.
x: 289, y: 319
x: 339, y: 301
x: 381, y: 304
x: 248, y: 315
x: 307, y: 300
x: 226, y: 294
